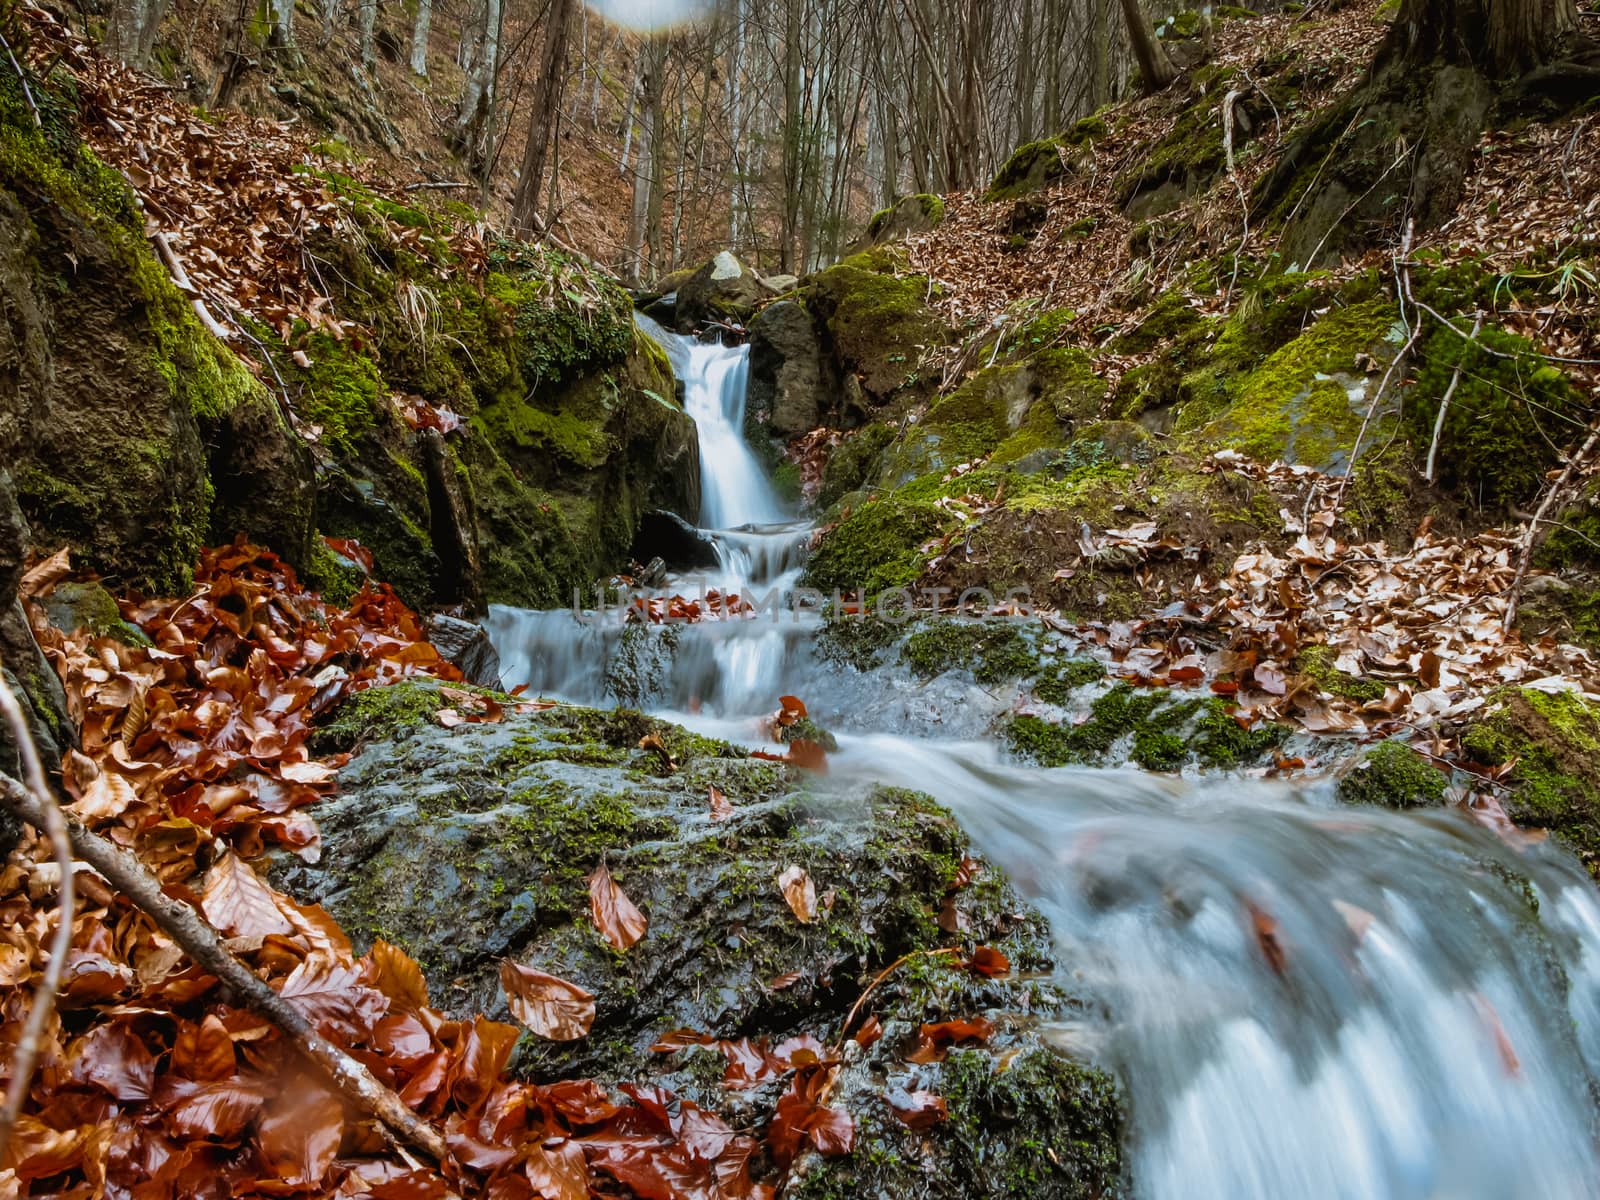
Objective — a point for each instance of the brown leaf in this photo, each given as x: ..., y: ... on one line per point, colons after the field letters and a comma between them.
x: 934, y: 1040
x: 870, y: 1032
x: 238, y: 903
x: 299, y: 1141
x: 331, y: 996
x: 1265, y: 926
x: 41, y: 578
x: 551, y: 1007
x: 988, y: 962
x: 615, y: 916
x: 721, y: 810
x: 918, y: 1110
x: 396, y: 974
x: 800, y: 892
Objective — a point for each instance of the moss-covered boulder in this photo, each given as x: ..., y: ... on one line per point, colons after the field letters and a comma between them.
x: 131, y: 432
x: 721, y: 291
x: 1393, y: 775
x: 1553, y: 740
x: 469, y: 845
x: 876, y: 320
x: 907, y: 215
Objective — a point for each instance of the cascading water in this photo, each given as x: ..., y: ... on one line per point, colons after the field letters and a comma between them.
x: 1304, y: 1001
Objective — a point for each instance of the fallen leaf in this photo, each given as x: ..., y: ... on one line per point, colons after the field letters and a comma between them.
x: 800, y: 892
x: 615, y: 916
x: 551, y: 1007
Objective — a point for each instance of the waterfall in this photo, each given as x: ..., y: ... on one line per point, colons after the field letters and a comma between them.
x: 1304, y: 1001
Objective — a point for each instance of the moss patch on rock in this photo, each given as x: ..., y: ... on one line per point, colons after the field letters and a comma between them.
x: 876, y: 319
x: 1393, y: 775
x: 1554, y: 740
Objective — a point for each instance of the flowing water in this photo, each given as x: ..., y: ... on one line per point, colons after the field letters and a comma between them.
x: 1305, y: 1001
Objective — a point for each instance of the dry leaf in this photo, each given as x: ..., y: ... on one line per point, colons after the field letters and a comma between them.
x: 551, y: 1007
x: 800, y: 892
x: 614, y: 914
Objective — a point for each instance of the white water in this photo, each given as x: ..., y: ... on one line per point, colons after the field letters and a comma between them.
x: 1427, y: 1038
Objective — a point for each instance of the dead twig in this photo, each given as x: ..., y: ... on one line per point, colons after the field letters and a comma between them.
x: 27, y: 92
x: 1530, y: 535
x: 204, y: 946
x: 44, y: 814
x: 1444, y: 407
x: 180, y: 279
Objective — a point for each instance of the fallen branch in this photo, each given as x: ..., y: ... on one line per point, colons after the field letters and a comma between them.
x: 204, y: 946
x: 27, y: 94
x: 1530, y: 536
x: 1444, y: 407
x: 180, y: 278
x: 43, y: 814
x: 434, y: 185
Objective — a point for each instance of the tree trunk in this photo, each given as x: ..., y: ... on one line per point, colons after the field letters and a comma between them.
x: 793, y: 135
x: 419, y: 38
x: 1503, y: 38
x: 367, y: 18
x: 546, y: 116
x: 475, y: 113
x: 281, y: 35
x: 1156, y: 69
x: 645, y: 219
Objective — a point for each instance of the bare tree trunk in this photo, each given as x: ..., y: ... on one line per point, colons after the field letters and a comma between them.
x: 793, y: 135
x: 367, y: 18
x: 132, y: 29
x: 475, y: 112
x: 1156, y: 68
x: 419, y: 38
x: 1504, y: 38
x: 546, y: 116
x: 281, y: 35
x: 646, y: 214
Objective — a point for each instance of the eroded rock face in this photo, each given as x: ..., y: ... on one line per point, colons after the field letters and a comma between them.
x: 792, y: 379
x: 470, y: 845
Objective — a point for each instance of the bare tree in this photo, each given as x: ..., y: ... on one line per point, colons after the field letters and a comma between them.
x: 1156, y: 68
x: 546, y: 115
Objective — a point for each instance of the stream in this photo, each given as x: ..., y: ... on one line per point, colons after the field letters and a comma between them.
x: 1303, y: 1000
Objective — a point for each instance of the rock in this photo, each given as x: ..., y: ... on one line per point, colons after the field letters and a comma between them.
x: 28, y: 674
x: 723, y: 290
x: 792, y: 380
x: 1030, y: 168
x: 131, y: 433
x: 1553, y: 741
x: 877, y: 320
x: 908, y: 215
x: 72, y: 606
x: 780, y: 284
x: 467, y: 645
x: 668, y: 536
x: 1393, y: 775
x: 469, y: 845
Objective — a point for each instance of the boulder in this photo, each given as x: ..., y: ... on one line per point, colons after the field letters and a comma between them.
x: 667, y: 536
x: 469, y: 845
x: 908, y: 215
x: 466, y: 644
x: 792, y: 381
x: 723, y: 290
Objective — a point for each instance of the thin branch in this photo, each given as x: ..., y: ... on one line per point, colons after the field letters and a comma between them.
x: 27, y: 92
x: 1444, y: 407
x: 180, y: 278
x: 204, y: 946
x: 44, y: 814
x: 1402, y: 287
x: 1530, y: 536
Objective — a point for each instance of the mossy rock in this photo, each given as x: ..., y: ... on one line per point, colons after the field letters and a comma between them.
x: 1031, y: 168
x: 470, y: 845
x: 1510, y: 413
x: 1393, y: 775
x: 1154, y: 728
x: 908, y: 215
x: 1307, y: 402
x: 875, y: 549
x: 853, y: 463
x: 133, y: 434
x: 877, y: 320
x: 1554, y: 740
x: 1319, y: 663
x: 992, y: 651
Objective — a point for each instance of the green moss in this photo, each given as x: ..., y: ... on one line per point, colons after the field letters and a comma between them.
x: 336, y: 579
x: 342, y: 390
x: 852, y: 463
x: 1392, y: 775
x: 858, y: 641
x: 910, y: 214
x: 993, y: 652
x: 878, y: 319
x: 1031, y: 167
x: 1509, y: 416
x: 1162, y: 731
x: 379, y: 712
x: 1318, y: 662
x: 1554, y: 741
x: 1057, y: 683
x: 1293, y: 407
x: 879, y: 547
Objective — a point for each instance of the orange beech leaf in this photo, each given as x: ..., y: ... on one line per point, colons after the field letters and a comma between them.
x: 114, y: 1059
x: 557, y: 1171
x: 721, y: 810
x: 1268, y: 938
x: 204, y: 1052
x: 238, y: 903
x: 918, y: 1110
x: 988, y: 962
x: 869, y: 1033
x: 934, y: 1040
x: 332, y: 997
x: 38, y: 579
x: 551, y: 1007
x: 615, y: 916
x: 800, y: 892
x: 802, y: 1117
x: 300, y: 1140
x: 396, y: 974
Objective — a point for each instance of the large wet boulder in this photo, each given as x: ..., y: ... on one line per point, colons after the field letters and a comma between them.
x: 906, y: 216
x: 793, y: 381
x: 722, y: 291
x: 876, y: 320
x: 473, y: 844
